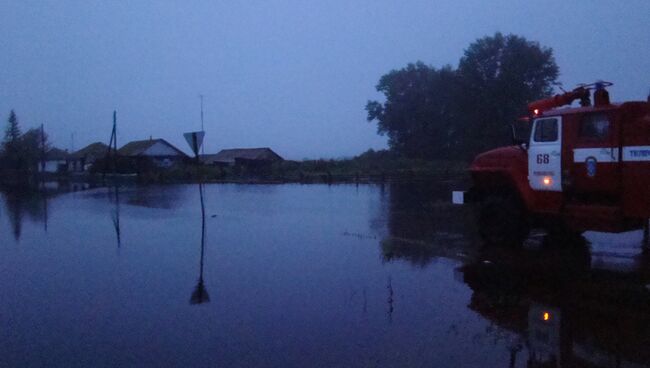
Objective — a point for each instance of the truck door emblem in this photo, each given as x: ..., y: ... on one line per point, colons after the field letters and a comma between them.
x: 591, y: 162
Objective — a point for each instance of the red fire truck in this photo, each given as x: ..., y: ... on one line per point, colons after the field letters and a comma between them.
x: 582, y: 168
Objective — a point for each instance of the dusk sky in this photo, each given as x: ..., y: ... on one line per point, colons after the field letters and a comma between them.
x: 291, y: 75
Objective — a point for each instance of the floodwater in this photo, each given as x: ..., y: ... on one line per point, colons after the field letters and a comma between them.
x: 303, y: 276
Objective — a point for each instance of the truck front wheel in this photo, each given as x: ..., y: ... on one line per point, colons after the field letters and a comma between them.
x: 560, y: 235
x: 502, y: 221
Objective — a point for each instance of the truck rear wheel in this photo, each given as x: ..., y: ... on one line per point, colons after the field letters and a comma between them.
x: 502, y: 221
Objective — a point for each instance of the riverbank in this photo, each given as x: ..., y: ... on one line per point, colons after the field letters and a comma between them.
x: 370, y: 167
x: 328, y: 172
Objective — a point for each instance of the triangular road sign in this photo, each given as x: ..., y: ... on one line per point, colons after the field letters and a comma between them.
x: 195, y: 140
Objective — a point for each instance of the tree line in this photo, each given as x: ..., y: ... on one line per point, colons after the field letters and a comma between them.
x: 21, y: 152
x: 447, y: 112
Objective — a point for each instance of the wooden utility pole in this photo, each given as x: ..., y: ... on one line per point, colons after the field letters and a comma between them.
x: 42, y: 148
x: 202, y: 129
x: 44, y: 193
x: 114, y: 141
x: 111, y: 153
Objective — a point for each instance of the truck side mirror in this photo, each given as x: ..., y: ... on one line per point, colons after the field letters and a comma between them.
x: 520, y: 133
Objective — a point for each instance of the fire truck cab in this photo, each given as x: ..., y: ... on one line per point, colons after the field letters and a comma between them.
x: 583, y: 168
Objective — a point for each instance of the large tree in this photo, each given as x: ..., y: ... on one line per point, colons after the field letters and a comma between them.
x: 498, y: 76
x: 433, y: 113
x: 22, y: 152
x: 418, y: 110
x: 33, y: 145
x: 12, y: 132
x: 11, y: 144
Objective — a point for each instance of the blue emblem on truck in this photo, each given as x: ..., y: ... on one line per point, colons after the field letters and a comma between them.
x: 591, y: 162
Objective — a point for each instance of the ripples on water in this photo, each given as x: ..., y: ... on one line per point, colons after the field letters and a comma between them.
x: 301, y: 276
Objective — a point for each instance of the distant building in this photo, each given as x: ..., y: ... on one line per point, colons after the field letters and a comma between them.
x: 56, y: 161
x: 161, y: 153
x: 83, y: 159
x: 249, y: 157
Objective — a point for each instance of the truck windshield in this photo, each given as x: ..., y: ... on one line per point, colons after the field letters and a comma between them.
x: 546, y: 130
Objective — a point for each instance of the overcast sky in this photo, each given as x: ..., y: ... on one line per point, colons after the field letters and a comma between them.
x: 291, y: 75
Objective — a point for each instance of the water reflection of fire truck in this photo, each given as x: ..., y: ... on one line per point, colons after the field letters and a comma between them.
x: 569, y: 313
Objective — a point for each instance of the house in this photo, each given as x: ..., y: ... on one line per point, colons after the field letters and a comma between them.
x: 161, y: 153
x: 84, y: 158
x: 56, y: 161
x: 249, y: 157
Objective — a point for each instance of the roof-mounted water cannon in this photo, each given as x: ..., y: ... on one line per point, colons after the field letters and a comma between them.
x: 601, y: 97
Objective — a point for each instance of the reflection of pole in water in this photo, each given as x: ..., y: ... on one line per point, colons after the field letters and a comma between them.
x: 200, y: 294
x: 116, y: 216
x: 390, y: 299
x: 514, y: 350
x: 14, y: 204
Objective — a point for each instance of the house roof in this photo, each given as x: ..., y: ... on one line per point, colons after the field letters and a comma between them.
x: 97, y: 149
x: 137, y: 148
x: 229, y: 155
x: 56, y: 154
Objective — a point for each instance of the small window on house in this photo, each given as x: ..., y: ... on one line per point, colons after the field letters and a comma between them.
x: 595, y: 127
x: 546, y: 130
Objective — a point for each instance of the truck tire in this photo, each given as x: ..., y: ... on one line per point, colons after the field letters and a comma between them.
x: 502, y: 221
x: 559, y: 235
